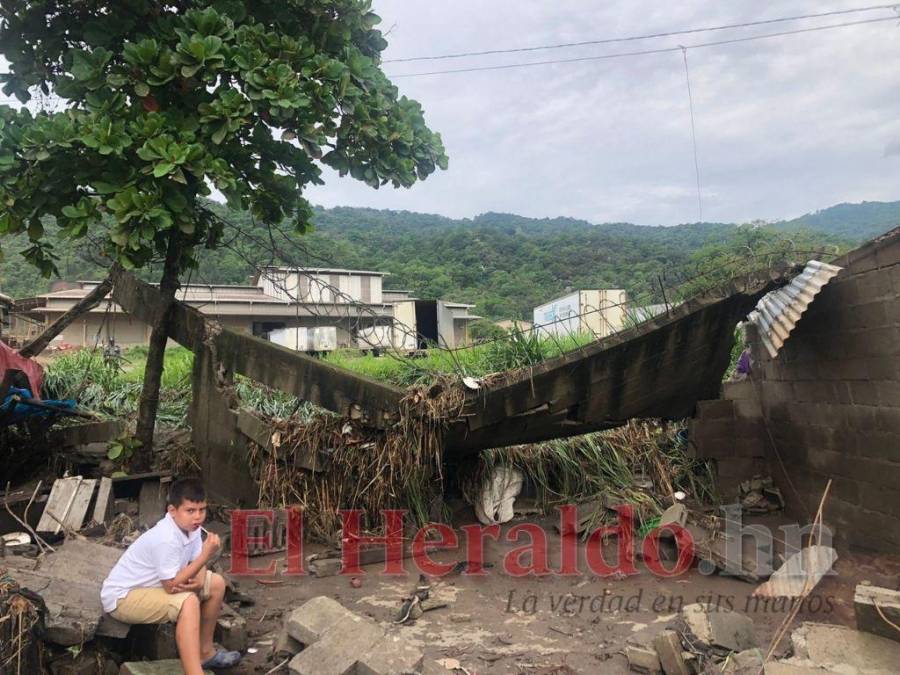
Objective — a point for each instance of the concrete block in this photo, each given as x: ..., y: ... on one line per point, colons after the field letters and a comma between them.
x: 309, y: 623
x: 390, y: 656
x: 871, y: 314
x: 231, y: 632
x: 747, y: 662
x: 643, y: 659
x: 888, y: 393
x: 155, y: 642
x: 339, y: 650
x: 717, y: 409
x: 285, y: 646
x: 668, y: 648
x: 867, y: 601
x: 717, y: 626
x: 864, y: 393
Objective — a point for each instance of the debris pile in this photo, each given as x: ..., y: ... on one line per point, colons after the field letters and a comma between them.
x: 759, y: 495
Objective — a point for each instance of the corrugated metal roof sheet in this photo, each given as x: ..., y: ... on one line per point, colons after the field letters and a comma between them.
x: 778, y: 312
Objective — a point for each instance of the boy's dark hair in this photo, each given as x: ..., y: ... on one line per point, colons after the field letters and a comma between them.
x: 190, y: 489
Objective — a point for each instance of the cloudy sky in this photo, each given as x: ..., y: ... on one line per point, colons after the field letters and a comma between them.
x: 784, y: 125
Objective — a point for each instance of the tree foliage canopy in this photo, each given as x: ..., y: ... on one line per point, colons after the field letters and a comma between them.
x: 166, y: 99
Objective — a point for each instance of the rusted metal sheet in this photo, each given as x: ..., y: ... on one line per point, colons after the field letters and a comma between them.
x: 778, y: 312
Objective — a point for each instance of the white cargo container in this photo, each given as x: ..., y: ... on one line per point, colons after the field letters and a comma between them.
x: 598, y: 312
x: 301, y: 339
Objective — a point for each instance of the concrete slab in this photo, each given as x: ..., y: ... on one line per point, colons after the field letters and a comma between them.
x: 309, y: 623
x: 392, y: 655
x: 69, y: 581
x: 845, y: 649
x: 339, y: 651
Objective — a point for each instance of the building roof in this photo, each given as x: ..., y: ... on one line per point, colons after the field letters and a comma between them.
x: 324, y: 270
x: 191, y: 293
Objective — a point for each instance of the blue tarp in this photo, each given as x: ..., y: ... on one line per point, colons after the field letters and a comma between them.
x: 22, y: 411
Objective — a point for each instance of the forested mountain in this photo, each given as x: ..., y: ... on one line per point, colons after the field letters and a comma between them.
x: 855, y: 222
x: 504, y: 263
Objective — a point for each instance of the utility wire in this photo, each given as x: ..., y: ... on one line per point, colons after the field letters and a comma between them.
x: 648, y: 36
x: 687, y: 77
x: 645, y: 52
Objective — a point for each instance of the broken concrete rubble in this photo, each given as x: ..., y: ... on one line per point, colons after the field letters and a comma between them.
x: 338, y: 641
x: 844, y: 650
x: 876, y: 609
x: 668, y: 647
x: 69, y: 582
x: 717, y: 627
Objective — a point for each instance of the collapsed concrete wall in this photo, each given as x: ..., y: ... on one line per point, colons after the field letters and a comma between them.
x: 828, y: 406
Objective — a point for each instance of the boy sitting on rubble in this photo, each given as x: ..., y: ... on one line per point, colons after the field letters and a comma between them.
x: 163, y: 577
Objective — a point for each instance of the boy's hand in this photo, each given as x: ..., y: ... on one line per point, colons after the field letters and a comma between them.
x: 194, y: 585
x: 210, y: 545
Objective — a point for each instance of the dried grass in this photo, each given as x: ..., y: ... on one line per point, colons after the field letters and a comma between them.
x: 364, y: 468
x: 19, y: 620
x: 611, y: 463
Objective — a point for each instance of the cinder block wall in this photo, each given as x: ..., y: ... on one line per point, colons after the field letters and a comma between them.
x: 831, y: 399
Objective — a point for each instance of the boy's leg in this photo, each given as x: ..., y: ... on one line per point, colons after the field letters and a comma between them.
x: 187, y: 636
x: 210, y: 608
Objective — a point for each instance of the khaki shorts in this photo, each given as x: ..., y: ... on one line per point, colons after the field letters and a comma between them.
x: 155, y: 605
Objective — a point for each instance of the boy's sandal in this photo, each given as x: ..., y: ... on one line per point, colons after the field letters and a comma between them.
x: 222, y: 659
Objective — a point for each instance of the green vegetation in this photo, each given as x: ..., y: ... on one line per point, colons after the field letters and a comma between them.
x: 512, y: 352
x: 504, y: 263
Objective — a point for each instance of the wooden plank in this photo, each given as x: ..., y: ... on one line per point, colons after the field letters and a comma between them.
x: 151, y: 503
x: 103, y: 505
x: 74, y: 519
x: 59, y: 503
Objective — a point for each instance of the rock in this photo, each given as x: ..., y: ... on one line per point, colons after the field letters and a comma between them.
x: 391, y: 656
x: 231, y: 631
x: 840, y: 648
x: 747, y: 662
x: 308, y: 623
x: 714, y: 626
x: 155, y: 642
x: 166, y: 667
x: 460, y: 618
x: 325, y: 567
x: 643, y: 659
x: 88, y: 662
x: 339, y: 650
x: 867, y: 601
x: 285, y: 645
x: 668, y: 648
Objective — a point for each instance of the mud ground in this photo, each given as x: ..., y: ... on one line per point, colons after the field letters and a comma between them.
x: 497, y: 623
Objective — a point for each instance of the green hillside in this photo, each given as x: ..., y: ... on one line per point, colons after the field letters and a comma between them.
x: 506, y: 264
x: 855, y: 222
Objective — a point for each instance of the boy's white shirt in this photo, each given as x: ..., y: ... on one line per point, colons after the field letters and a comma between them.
x: 156, y: 556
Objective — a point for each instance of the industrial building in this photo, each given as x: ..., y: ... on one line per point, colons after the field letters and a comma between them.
x: 598, y: 312
x: 309, y: 309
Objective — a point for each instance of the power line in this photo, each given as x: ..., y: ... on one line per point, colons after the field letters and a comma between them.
x: 687, y: 77
x: 648, y: 36
x: 646, y: 52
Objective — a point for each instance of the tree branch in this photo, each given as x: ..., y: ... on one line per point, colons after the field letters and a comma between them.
x: 91, y: 300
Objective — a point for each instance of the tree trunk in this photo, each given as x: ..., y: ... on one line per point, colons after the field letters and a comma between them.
x: 149, y: 403
x: 87, y: 303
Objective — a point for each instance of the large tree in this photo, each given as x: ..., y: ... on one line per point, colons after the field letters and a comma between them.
x: 165, y: 100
